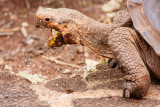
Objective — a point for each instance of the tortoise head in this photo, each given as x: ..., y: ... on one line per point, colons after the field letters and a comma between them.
x: 63, y: 25
x: 72, y: 27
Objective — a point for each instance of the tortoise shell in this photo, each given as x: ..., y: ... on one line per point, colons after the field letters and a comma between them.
x: 145, y: 15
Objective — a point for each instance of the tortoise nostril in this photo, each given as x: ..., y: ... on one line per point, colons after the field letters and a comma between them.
x: 39, y: 23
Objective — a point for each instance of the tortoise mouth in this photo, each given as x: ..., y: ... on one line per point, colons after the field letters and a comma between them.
x: 55, y: 38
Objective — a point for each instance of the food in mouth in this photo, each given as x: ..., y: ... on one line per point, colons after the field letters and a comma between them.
x: 55, y: 38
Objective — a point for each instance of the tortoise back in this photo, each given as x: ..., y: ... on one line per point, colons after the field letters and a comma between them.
x: 145, y: 15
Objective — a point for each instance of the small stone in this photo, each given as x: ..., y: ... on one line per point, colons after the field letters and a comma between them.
x: 13, y: 17
x: 19, y: 66
x: 33, y: 65
x: 25, y: 24
x: 86, y: 54
x: 91, y: 62
x: 67, y: 71
x: 29, y: 41
x: 7, y: 67
x: 6, y: 14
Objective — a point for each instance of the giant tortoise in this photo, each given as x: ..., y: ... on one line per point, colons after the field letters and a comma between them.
x: 133, y: 39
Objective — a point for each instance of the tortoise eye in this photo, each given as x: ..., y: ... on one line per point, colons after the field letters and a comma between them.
x: 47, y: 19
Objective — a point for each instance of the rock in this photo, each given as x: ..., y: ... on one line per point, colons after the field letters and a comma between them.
x: 29, y: 40
x: 7, y: 67
x: 91, y: 64
x: 24, y: 24
x: 33, y: 78
x: 67, y: 71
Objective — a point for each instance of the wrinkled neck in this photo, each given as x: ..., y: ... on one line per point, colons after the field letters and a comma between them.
x: 96, y: 37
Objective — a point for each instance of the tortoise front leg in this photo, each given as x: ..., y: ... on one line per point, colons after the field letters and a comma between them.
x: 122, y: 42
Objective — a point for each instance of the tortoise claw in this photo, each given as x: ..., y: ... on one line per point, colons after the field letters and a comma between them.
x: 126, y: 93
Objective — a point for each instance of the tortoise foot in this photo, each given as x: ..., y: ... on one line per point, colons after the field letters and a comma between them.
x: 136, y: 89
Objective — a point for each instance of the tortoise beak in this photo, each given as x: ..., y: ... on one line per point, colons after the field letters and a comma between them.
x: 39, y: 22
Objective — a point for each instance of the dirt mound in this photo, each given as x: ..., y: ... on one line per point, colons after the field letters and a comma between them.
x: 62, y: 85
x: 15, y: 92
x: 104, y: 77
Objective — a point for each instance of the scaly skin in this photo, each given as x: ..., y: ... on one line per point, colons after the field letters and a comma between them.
x: 132, y: 53
x: 122, y: 42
